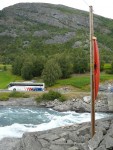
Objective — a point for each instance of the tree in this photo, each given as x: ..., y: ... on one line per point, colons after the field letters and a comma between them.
x: 38, y: 65
x: 80, y: 63
x: 26, y: 71
x: 17, y: 65
x: 51, y: 72
x: 65, y: 64
x: 102, y: 65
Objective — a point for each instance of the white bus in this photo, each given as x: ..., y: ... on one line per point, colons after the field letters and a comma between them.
x: 26, y: 86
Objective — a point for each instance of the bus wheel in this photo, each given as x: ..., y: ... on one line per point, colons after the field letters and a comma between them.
x: 14, y: 89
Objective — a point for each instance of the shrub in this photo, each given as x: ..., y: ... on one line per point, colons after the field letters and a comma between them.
x: 62, y: 98
x: 51, y: 95
x: 4, y: 96
x: 18, y: 94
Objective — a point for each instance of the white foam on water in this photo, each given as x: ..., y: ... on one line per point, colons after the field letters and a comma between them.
x: 55, y: 119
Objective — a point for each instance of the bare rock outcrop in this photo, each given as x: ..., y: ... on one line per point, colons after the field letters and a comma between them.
x: 74, y: 137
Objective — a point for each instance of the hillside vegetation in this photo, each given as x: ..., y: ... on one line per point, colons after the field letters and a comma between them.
x: 46, y: 29
x: 51, y: 41
x: 79, y: 82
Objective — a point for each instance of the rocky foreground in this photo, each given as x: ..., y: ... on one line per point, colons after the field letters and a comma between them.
x: 74, y: 137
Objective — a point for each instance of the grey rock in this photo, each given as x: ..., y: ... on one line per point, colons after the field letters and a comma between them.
x: 83, y: 130
x: 49, y: 137
x: 74, y: 137
x: 10, y: 34
x: 61, y: 38
x: 73, y: 148
x: 105, y: 125
x: 110, y: 132
x: 41, y: 33
x: 96, y: 140
x: 30, y: 142
x: 100, y: 128
x: 44, y: 143
x: 62, y: 107
x: 111, y: 126
x: 49, y: 14
x: 56, y: 147
x: 80, y: 106
x: 84, y: 139
x: 8, y: 143
x: 19, y: 102
x: 85, y: 146
x: 59, y: 141
x: 109, y: 142
x: 70, y: 142
x: 102, y: 147
x: 45, y: 149
x: 68, y: 138
x: 87, y: 99
x: 77, y: 44
x: 64, y: 135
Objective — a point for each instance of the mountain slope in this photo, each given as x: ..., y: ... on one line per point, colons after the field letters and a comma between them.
x: 49, y: 29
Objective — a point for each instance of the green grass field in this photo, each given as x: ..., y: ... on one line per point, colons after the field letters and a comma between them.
x: 107, y: 66
x: 6, y: 77
x: 79, y: 81
x: 83, y: 81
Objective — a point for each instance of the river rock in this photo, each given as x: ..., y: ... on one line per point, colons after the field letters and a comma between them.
x: 19, y: 102
x: 110, y: 101
x: 8, y: 143
x: 95, y: 141
x: 73, y: 137
x: 62, y: 107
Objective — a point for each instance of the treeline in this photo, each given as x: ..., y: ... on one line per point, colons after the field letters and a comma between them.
x: 51, y: 68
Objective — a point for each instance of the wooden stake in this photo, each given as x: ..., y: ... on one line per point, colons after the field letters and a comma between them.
x: 92, y: 72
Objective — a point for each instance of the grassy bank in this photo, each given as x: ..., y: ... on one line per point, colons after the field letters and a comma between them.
x: 79, y: 81
x: 4, y: 96
x: 6, y: 76
x: 82, y: 82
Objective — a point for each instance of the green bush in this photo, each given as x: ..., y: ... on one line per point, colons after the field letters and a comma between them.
x: 51, y: 95
x: 18, y: 94
x: 62, y: 98
x: 4, y: 96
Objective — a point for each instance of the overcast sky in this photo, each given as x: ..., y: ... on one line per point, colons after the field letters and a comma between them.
x: 100, y: 7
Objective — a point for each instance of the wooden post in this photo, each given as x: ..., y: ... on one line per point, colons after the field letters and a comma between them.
x: 92, y: 73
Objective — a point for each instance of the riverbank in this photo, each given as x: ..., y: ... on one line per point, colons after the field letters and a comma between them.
x: 74, y: 137
x: 78, y: 104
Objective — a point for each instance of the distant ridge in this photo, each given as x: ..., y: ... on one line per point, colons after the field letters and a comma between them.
x: 36, y: 27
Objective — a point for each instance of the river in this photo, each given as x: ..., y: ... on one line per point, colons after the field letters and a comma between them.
x: 14, y: 121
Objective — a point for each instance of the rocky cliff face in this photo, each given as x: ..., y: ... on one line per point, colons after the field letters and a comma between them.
x: 55, y: 15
